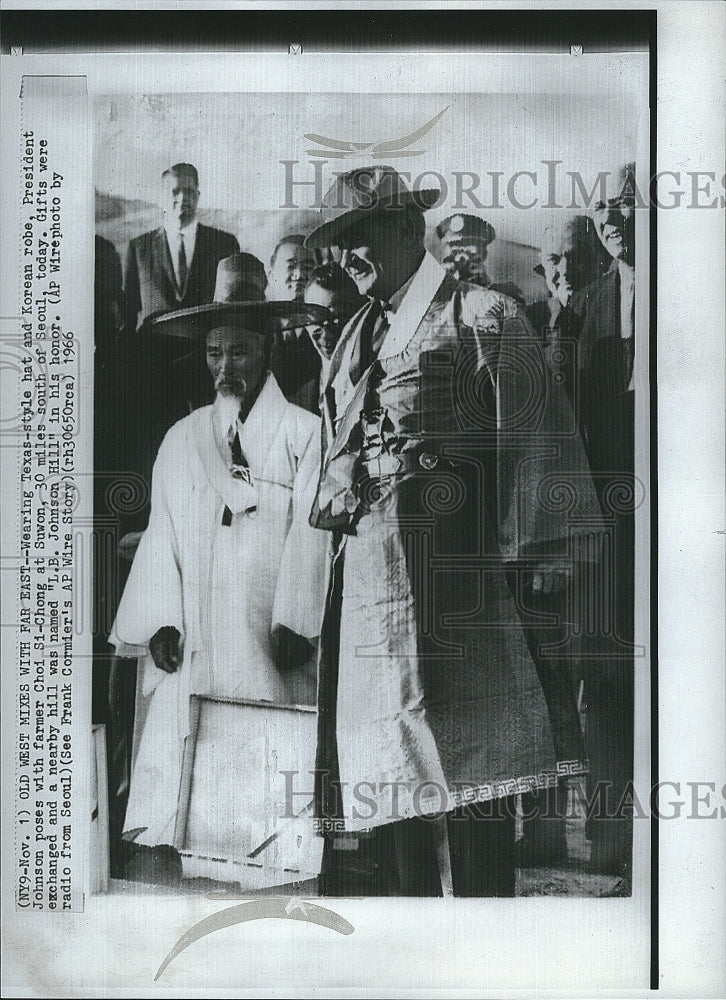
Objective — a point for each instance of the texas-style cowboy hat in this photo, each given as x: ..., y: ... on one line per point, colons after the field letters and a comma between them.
x: 359, y: 193
x: 238, y: 301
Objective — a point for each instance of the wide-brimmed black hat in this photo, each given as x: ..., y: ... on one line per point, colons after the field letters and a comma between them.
x: 358, y: 194
x: 238, y: 302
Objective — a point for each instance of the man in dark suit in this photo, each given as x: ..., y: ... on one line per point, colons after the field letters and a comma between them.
x: 175, y: 266
x: 570, y: 258
x: 604, y: 313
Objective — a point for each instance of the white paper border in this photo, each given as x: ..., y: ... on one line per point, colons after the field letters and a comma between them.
x: 381, y: 954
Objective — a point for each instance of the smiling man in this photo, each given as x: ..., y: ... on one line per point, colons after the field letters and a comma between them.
x: 570, y: 259
x: 431, y: 710
x: 174, y: 266
x: 225, y: 592
x: 290, y: 267
x: 604, y: 315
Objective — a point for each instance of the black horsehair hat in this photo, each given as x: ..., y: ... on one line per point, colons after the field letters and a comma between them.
x: 238, y: 301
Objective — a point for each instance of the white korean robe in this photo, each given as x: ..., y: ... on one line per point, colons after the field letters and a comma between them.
x: 226, y: 588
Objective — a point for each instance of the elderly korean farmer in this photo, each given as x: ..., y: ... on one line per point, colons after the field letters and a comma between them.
x: 450, y: 454
x: 225, y: 593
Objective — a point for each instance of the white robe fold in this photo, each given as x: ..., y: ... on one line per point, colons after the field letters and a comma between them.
x: 226, y: 588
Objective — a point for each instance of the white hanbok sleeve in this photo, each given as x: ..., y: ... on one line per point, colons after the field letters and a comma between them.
x: 152, y: 597
x: 301, y: 582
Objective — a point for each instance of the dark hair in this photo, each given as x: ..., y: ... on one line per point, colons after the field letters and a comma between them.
x: 295, y: 240
x: 182, y: 170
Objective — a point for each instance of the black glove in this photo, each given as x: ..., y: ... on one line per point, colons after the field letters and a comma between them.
x: 164, y: 648
x: 290, y: 649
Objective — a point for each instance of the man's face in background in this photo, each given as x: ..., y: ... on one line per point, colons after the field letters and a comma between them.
x: 289, y: 272
x: 615, y: 225
x: 464, y: 259
x: 323, y: 335
x: 565, y: 268
x: 180, y: 199
x: 341, y: 306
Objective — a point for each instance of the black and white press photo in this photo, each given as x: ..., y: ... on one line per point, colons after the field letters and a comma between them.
x: 361, y: 500
x: 366, y: 458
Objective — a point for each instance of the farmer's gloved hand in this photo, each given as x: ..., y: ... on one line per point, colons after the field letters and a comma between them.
x: 291, y: 650
x: 164, y: 648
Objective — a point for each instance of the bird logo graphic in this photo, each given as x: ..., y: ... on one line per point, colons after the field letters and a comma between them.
x: 377, y: 150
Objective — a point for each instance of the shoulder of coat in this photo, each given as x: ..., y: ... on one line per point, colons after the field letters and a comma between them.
x: 183, y: 429
x: 302, y: 423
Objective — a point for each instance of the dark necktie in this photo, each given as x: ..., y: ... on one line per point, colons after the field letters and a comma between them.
x: 372, y: 328
x: 239, y: 469
x: 182, y: 266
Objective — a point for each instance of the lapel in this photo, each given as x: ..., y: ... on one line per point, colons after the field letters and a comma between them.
x: 333, y: 368
x: 257, y: 440
x: 601, y: 317
x: 608, y: 314
x: 161, y: 263
x: 264, y: 423
x: 423, y: 291
x: 602, y: 348
x: 431, y: 285
x: 350, y: 421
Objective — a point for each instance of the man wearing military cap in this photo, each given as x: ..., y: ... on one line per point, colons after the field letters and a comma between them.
x: 225, y: 591
x: 439, y: 422
x: 462, y: 249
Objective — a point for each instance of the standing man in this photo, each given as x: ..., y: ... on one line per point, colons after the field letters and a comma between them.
x: 569, y: 261
x: 294, y: 362
x: 225, y: 593
x: 439, y: 469
x: 174, y: 267
x: 605, y: 315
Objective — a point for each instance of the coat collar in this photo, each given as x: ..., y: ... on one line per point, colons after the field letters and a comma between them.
x: 413, y: 306
x: 428, y: 286
x: 258, y: 433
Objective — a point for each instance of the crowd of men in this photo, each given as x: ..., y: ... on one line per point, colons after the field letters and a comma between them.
x: 358, y: 457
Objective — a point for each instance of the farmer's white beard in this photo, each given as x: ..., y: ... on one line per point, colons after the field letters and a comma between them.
x: 226, y: 411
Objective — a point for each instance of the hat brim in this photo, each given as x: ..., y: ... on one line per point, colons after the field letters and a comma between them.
x: 262, y: 316
x: 327, y: 234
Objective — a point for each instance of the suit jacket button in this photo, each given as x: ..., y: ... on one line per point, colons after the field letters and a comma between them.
x: 427, y: 460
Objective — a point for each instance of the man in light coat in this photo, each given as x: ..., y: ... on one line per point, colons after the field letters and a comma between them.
x: 225, y: 593
x: 449, y: 454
